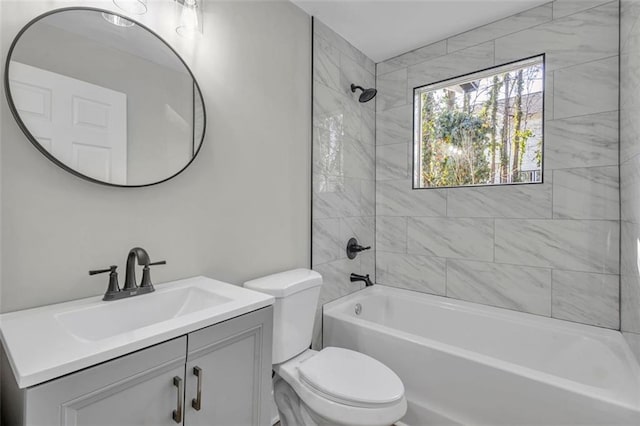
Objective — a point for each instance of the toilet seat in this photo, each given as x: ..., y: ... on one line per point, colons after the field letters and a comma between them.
x: 328, y: 406
x: 351, y: 378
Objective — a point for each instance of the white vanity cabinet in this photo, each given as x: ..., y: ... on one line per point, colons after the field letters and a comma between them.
x: 151, y: 386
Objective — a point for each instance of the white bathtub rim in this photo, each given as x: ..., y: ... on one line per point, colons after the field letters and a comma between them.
x: 597, y: 393
x: 480, y: 309
x: 492, y: 311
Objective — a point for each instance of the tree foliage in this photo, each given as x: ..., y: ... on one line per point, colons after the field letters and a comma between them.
x: 481, y: 132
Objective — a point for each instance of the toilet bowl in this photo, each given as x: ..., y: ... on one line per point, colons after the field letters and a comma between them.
x: 343, y: 387
x: 334, y: 386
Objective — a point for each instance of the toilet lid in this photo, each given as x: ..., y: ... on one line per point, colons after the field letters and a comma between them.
x: 351, y: 378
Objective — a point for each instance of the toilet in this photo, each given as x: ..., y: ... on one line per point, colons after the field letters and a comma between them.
x: 333, y: 386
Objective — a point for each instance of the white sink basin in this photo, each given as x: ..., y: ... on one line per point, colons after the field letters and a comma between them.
x: 51, y: 341
x: 116, y: 317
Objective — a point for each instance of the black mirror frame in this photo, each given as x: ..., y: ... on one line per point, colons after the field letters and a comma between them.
x: 46, y: 153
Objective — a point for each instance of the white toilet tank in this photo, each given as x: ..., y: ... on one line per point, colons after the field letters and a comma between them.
x: 296, y: 294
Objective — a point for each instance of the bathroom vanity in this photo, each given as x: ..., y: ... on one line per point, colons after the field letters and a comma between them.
x: 207, y: 364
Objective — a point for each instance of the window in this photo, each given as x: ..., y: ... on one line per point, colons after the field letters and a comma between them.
x: 483, y: 128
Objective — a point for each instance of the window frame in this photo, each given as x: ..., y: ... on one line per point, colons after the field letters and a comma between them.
x: 482, y: 73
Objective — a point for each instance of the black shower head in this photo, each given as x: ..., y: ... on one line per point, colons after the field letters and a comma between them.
x: 366, y: 95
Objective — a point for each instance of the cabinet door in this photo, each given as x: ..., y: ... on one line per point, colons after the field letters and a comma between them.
x: 134, y: 390
x: 231, y: 365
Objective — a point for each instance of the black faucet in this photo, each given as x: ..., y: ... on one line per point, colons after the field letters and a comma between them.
x: 130, y: 288
x: 143, y: 260
x: 365, y: 278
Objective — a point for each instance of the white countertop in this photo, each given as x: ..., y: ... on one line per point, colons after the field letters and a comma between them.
x: 51, y: 341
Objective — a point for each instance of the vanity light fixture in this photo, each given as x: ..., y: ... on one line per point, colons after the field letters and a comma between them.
x: 134, y: 7
x: 117, y: 20
x: 190, y: 23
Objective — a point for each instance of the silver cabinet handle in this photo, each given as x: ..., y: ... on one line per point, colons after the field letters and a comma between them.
x: 197, y: 401
x: 177, y: 414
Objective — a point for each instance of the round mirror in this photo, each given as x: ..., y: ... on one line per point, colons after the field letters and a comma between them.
x: 104, y: 97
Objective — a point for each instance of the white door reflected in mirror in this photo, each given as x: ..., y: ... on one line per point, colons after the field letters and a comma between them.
x: 88, y: 130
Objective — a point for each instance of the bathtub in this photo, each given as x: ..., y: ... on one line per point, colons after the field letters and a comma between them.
x: 464, y: 363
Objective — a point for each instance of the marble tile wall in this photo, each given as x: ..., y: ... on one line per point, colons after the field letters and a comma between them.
x: 343, y: 196
x: 630, y: 172
x: 550, y: 249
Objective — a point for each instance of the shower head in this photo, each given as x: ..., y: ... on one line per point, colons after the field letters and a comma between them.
x: 366, y: 95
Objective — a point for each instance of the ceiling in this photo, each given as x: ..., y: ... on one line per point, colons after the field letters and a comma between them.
x: 382, y: 29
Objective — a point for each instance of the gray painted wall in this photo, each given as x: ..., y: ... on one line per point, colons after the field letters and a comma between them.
x: 550, y: 249
x: 630, y: 171
x: 343, y: 164
x: 240, y: 211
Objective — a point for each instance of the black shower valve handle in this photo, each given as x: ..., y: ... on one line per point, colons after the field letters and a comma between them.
x: 353, y: 248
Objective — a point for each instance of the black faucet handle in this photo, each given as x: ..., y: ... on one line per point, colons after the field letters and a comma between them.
x: 113, y: 287
x: 111, y: 269
x: 146, y: 274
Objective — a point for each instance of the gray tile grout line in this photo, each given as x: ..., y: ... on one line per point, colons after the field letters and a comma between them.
x: 516, y: 265
x: 494, y: 240
x: 620, y: 198
x: 551, y: 293
x: 446, y: 277
x: 488, y: 218
x: 552, y: 194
